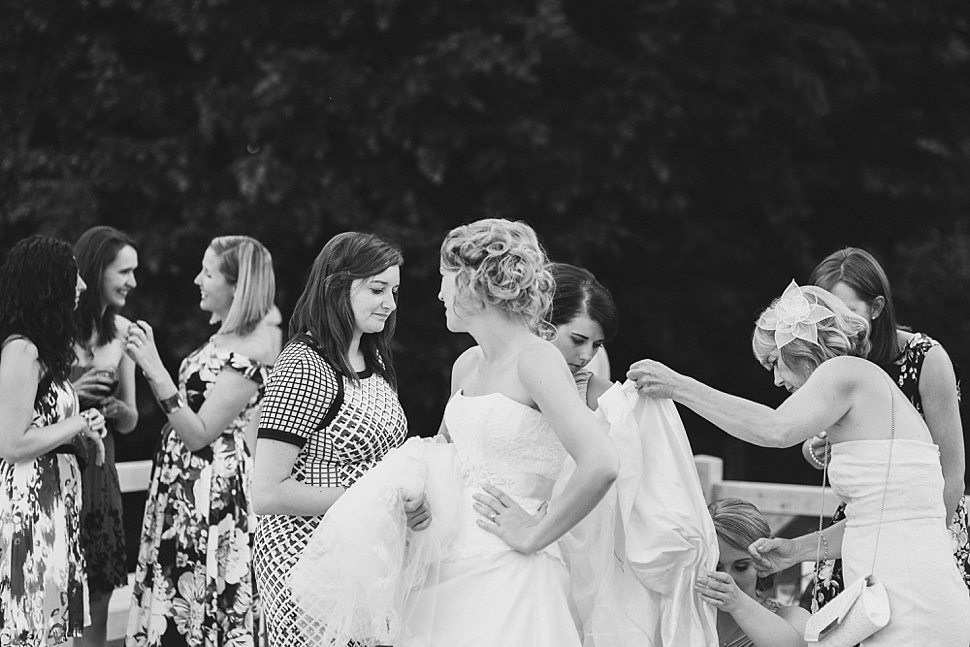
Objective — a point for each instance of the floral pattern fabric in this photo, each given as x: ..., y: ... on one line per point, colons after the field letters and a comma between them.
x: 193, y: 583
x: 905, y: 370
x: 43, y: 588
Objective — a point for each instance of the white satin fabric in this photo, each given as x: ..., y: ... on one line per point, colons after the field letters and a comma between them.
x: 631, y: 563
x: 634, y: 560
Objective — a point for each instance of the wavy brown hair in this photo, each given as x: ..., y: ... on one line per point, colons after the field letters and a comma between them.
x: 860, y: 270
x: 95, y: 250
x: 37, y: 290
x: 324, y: 311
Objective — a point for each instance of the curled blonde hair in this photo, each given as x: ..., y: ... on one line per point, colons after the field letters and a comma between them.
x: 846, y: 333
x: 500, y: 263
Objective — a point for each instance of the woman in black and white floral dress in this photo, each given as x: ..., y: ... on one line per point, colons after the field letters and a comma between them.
x: 330, y: 413
x: 924, y: 373
x: 193, y: 583
x: 43, y: 587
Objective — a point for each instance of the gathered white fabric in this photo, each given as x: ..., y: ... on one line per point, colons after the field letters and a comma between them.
x: 634, y: 559
x: 353, y: 580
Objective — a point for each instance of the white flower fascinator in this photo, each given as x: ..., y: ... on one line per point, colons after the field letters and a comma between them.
x: 794, y: 317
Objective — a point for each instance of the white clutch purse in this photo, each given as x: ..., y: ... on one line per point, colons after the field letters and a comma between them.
x: 859, y: 611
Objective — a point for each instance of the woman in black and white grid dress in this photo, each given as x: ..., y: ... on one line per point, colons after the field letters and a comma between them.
x: 330, y: 413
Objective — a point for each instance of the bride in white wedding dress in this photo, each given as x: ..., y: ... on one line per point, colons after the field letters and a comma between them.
x: 513, y: 417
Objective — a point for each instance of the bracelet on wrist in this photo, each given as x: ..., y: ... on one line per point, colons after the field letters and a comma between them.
x: 825, y: 546
x: 814, y: 457
x: 171, y: 404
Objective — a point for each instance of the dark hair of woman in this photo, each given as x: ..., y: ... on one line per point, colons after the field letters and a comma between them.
x: 324, y: 309
x: 95, y: 250
x: 578, y: 292
x: 859, y: 269
x: 37, y: 291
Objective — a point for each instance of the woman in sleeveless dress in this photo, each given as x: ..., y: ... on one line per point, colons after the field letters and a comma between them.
x: 746, y: 617
x: 884, y: 465
x: 43, y: 587
x: 923, y: 371
x: 104, y: 379
x: 330, y: 413
x: 193, y: 582
x: 513, y: 418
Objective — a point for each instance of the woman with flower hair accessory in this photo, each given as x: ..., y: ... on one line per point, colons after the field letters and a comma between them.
x: 884, y: 464
x: 924, y: 373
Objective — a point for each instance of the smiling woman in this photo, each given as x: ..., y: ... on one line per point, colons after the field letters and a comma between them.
x: 104, y: 378
x: 193, y: 583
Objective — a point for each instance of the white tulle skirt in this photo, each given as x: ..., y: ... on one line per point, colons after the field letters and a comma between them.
x: 626, y: 580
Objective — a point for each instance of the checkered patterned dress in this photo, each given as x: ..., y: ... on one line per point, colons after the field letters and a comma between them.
x: 342, y: 429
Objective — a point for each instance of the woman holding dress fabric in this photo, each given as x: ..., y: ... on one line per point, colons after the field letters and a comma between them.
x: 43, y: 586
x: 883, y: 465
x: 104, y: 379
x: 193, y: 583
x: 330, y: 413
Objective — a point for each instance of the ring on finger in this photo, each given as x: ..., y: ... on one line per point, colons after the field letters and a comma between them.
x: 493, y: 515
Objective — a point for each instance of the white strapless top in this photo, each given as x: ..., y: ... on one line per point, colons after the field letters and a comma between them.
x: 914, y: 489
x: 506, y: 444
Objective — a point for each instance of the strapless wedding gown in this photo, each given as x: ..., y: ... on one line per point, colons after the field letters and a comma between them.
x: 486, y: 593
x: 928, y: 602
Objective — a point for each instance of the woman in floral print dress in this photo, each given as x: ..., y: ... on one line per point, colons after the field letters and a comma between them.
x: 193, y: 583
x: 924, y: 373
x: 43, y: 588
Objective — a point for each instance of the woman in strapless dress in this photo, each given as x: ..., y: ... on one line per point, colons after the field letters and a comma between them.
x: 513, y: 417
x: 884, y: 465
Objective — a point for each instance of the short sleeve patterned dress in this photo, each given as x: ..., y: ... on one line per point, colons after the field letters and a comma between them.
x: 905, y: 370
x: 43, y: 587
x: 193, y: 583
x: 342, y: 427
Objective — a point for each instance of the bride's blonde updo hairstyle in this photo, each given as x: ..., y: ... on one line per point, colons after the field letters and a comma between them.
x: 844, y: 333
x: 500, y: 263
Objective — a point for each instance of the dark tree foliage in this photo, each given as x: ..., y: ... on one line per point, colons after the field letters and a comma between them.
x: 695, y: 155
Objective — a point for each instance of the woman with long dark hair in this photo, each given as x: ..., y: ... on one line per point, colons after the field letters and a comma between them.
x: 42, y: 581
x: 331, y: 411
x: 104, y: 379
x: 923, y: 371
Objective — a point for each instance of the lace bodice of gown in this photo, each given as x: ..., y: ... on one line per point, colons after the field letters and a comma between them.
x: 506, y: 444
x: 858, y: 475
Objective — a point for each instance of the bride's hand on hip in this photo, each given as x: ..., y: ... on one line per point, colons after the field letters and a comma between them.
x: 505, y: 518
x: 654, y: 379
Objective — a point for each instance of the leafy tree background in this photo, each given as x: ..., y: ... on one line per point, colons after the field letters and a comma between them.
x: 695, y: 154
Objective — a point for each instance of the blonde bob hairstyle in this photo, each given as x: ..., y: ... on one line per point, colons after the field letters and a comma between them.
x: 500, y: 263
x: 844, y: 334
x: 247, y: 265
